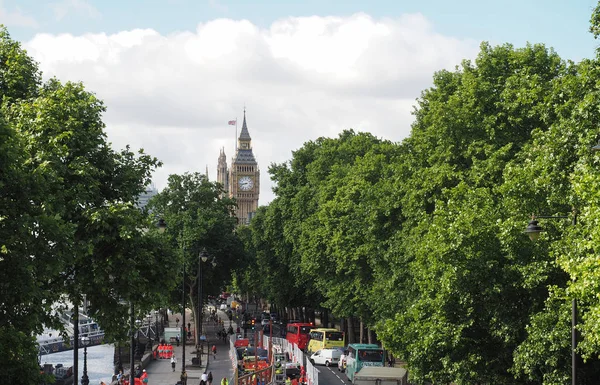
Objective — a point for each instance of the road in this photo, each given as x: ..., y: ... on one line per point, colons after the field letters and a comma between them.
x: 331, y: 376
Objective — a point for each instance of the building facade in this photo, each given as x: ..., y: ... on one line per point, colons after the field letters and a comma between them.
x: 144, y: 197
x: 242, y: 179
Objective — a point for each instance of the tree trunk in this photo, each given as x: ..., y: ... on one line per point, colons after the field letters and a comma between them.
x: 350, y: 330
x: 361, y: 335
x: 369, y: 335
x: 324, y: 317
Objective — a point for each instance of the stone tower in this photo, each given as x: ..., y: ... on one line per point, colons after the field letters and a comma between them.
x: 243, y: 180
x: 223, y: 171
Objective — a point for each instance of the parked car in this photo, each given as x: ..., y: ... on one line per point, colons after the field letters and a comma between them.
x: 326, y: 357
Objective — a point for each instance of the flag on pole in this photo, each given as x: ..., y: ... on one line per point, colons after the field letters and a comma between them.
x: 232, y: 122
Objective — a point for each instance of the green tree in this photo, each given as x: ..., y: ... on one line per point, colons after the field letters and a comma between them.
x: 19, y: 73
x: 458, y: 238
x: 68, y: 226
x: 199, y: 218
x: 92, y: 189
x: 554, y: 174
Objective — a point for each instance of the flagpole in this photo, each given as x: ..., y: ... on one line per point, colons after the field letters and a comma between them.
x: 235, y: 139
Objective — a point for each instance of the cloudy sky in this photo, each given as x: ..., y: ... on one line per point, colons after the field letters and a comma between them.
x: 174, y: 72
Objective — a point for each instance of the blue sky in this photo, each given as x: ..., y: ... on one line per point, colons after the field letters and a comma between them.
x: 562, y: 24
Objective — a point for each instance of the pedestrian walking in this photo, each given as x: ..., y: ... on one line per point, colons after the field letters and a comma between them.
x: 177, y: 338
x: 224, y: 381
x: 214, y: 351
x: 209, y: 378
x: 173, y: 362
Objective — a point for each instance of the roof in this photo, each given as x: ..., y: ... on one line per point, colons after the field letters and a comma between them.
x: 244, y: 134
x: 245, y: 156
x: 380, y: 372
x: 364, y: 346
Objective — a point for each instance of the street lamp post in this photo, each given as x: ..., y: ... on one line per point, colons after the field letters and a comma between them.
x: 157, y: 335
x: 534, y: 230
x: 85, y: 341
x: 214, y: 264
x: 76, y: 339
x: 183, y: 334
x: 138, y: 324
x: 162, y: 226
x: 202, y: 257
x: 131, y: 343
x: 150, y: 332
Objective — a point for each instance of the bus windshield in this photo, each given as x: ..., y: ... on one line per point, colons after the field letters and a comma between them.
x: 371, y: 355
x: 334, y: 336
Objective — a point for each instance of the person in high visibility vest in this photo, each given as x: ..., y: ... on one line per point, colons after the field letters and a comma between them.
x: 288, y: 381
x: 224, y: 381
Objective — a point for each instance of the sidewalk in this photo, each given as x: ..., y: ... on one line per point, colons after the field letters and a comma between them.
x: 161, y: 373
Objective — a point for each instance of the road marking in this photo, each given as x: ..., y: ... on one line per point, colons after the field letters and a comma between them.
x: 337, y: 375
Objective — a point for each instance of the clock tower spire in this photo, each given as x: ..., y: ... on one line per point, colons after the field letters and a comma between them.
x: 244, y: 178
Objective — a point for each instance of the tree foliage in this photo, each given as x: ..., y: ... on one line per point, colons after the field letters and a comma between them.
x: 198, y: 218
x: 423, y: 240
x: 68, y: 224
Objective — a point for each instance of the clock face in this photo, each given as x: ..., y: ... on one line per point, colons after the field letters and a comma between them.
x: 246, y: 183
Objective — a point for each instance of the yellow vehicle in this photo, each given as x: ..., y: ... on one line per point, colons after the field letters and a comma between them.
x: 325, y: 338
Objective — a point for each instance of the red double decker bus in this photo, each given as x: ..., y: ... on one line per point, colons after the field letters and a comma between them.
x: 298, y: 332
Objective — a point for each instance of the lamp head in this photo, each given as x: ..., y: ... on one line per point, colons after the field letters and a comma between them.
x: 85, y: 340
x: 204, y: 255
x: 162, y: 225
x: 533, y: 229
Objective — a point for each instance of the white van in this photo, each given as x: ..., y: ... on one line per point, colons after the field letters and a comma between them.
x: 326, y: 357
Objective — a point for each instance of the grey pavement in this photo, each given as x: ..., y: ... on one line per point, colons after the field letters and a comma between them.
x: 161, y: 373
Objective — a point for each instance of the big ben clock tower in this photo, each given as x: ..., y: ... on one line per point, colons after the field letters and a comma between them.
x: 244, y: 177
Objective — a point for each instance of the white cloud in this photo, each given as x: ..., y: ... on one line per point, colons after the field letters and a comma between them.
x: 64, y: 7
x: 16, y: 18
x: 301, y: 78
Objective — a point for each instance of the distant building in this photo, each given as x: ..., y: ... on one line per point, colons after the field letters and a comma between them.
x: 144, y: 197
x: 242, y: 179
